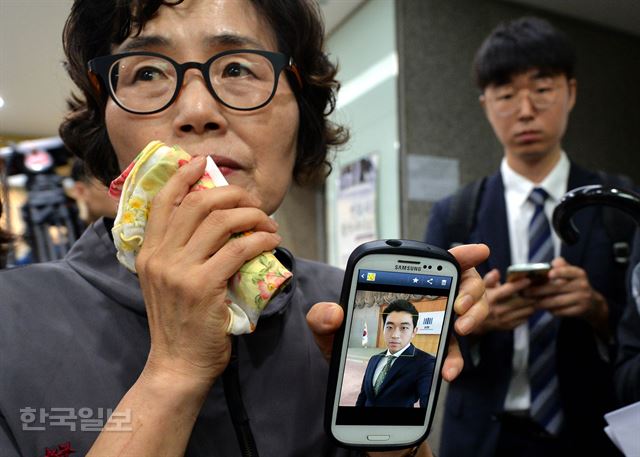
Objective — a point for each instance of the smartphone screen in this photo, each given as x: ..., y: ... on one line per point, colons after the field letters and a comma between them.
x: 397, y: 321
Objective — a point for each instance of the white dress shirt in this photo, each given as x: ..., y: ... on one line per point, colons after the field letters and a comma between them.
x: 519, y: 212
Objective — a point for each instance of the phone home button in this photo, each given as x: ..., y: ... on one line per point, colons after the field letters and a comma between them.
x: 378, y: 437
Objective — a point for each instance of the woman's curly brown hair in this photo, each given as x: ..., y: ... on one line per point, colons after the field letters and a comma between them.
x: 93, y: 27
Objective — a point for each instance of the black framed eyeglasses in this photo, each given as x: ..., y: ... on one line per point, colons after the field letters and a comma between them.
x: 148, y: 82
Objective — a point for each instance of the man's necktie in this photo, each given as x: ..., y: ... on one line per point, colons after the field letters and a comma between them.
x: 383, y: 374
x: 543, y: 328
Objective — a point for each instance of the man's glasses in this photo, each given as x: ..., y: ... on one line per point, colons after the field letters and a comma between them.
x: 506, y: 101
x: 147, y: 82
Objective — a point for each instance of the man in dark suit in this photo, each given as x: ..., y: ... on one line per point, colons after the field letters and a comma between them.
x: 401, y: 375
x: 525, y: 71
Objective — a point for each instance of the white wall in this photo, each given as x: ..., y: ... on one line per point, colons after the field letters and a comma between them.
x: 365, y: 48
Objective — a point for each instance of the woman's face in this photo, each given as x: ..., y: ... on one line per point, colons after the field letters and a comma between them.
x: 254, y: 149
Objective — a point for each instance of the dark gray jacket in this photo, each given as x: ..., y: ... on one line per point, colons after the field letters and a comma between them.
x: 74, y: 338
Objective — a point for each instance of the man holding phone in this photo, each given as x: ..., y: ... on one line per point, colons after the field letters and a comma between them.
x: 524, y: 388
x: 401, y: 375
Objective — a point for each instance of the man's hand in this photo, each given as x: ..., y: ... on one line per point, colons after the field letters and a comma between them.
x: 568, y: 293
x: 471, y: 305
x: 507, y: 307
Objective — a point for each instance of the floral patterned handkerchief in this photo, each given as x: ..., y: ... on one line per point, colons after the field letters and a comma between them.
x: 249, y: 290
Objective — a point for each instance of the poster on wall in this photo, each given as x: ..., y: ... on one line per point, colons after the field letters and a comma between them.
x: 356, y: 205
x: 430, y: 323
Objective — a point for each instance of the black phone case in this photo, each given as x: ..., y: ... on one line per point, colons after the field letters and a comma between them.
x: 396, y: 247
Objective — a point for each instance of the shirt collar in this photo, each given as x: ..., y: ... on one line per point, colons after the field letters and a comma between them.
x: 519, y: 187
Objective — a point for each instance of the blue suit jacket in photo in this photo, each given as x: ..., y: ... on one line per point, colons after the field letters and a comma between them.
x: 408, y: 380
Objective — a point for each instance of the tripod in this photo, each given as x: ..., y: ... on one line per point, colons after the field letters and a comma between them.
x: 51, y: 218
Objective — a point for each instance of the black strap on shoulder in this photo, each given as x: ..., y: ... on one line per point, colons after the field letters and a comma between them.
x: 235, y: 405
x: 619, y: 227
x: 462, y: 212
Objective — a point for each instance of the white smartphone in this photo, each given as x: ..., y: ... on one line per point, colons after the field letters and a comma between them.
x: 387, y: 357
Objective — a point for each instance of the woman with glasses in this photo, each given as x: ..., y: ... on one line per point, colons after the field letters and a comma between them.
x: 106, y: 363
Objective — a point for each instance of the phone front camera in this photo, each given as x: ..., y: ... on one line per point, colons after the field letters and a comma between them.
x: 439, y: 267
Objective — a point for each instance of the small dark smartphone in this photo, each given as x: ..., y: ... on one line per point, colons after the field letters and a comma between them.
x: 387, y: 356
x: 537, y: 272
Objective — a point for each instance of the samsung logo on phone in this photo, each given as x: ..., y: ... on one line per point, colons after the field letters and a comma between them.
x: 407, y: 268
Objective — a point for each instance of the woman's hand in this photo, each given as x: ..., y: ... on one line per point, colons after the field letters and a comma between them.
x: 424, y: 450
x: 184, y: 265
x: 471, y: 304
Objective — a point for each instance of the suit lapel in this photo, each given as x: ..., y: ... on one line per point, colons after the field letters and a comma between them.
x: 492, y: 225
x: 398, y: 365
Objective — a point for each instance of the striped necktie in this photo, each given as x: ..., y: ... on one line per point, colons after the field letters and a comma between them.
x: 383, y: 374
x: 543, y: 328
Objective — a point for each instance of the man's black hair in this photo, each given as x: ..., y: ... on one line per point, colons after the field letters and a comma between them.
x: 401, y: 306
x: 520, y: 45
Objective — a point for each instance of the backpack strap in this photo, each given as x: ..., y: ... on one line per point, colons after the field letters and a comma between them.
x: 461, y: 217
x: 619, y: 227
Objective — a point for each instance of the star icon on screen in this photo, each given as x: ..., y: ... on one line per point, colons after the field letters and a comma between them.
x: 415, y: 280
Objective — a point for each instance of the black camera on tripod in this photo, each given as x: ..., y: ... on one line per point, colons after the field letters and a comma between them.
x: 50, y: 216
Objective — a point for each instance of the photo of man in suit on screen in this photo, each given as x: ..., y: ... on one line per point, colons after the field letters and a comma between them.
x: 401, y: 375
